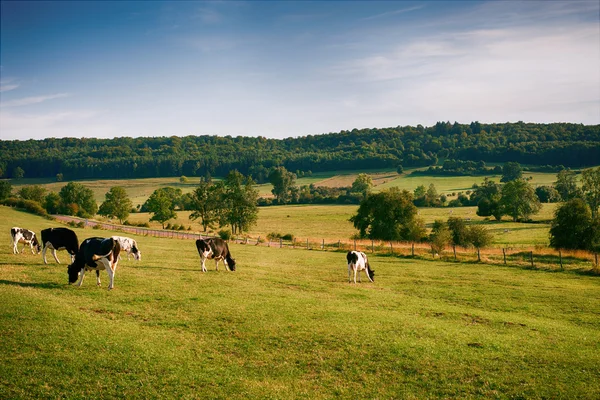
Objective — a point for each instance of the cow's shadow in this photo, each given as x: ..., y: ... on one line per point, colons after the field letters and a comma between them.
x: 37, y: 285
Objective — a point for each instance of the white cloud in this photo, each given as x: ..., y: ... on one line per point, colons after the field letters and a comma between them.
x: 8, y: 84
x: 394, y: 12
x: 32, y: 100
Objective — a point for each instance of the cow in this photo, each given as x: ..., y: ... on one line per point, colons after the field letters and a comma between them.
x: 217, y: 249
x: 129, y: 246
x: 25, y: 236
x: 95, y: 254
x: 357, y: 261
x: 59, y: 239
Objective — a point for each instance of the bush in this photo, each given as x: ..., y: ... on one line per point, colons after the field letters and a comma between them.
x: 97, y: 226
x: 288, y: 236
x: 225, y: 234
x: 29, y: 206
x: 273, y: 236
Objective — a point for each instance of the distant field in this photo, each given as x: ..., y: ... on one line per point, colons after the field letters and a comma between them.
x: 287, y: 325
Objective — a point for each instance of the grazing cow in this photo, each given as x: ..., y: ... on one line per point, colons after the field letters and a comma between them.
x: 357, y: 261
x: 95, y: 254
x: 25, y: 236
x: 59, y: 239
x: 217, y: 249
x: 129, y: 246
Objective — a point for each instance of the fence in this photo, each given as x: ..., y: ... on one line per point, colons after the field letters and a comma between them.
x: 537, y: 257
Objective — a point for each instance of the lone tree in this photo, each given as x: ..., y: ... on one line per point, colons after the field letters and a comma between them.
x: 116, y: 204
x: 519, y: 200
x: 205, y: 203
x: 5, y: 189
x: 566, y: 185
x: 388, y: 215
x: 459, y: 233
x: 440, y: 237
x: 160, y: 204
x: 282, y: 181
x: 362, y: 184
x: 33, y: 192
x: 572, y: 226
x: 487, y: 198
x: 239, y: 209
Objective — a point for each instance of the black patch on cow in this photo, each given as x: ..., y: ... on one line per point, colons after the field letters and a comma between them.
x: 89, y: 248
x: 61, y: 237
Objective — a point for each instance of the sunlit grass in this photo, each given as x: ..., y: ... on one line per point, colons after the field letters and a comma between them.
x: 287, y: 324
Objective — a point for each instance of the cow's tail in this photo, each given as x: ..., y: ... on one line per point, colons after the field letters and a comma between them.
x: 370, y: 272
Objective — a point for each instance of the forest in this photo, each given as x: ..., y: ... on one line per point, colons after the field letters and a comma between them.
x: 567, y: 144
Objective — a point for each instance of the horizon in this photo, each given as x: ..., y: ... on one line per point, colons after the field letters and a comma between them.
x: 292, y: 69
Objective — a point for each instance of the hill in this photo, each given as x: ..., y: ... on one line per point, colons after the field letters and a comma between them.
x: 571, y: 145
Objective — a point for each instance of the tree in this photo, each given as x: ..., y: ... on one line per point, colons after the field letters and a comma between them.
x: 432, y: 197
x: 76, y: 199
x: 362, y: 184
x: 34, y: 192
x: 459, y: 232
x: 18, y: 173
x: 590, y: 179
x: 52, y: 203
x: 116, y: 204
x: 440, y: 237
x: 239, y: 209
x: 388, y: 215
x: 570, y: 228
x: 160, y: 204
x: 487, y: 198
x: 282, y: 180
x: 5, y: 190
x: 511, y: 171
x: 519, y: 200
x: 547, y: 194
x: 566, y: 185
x: 205, y: 203
x: 59, y: 177
x: 479, y: 237
x: 400, y: 169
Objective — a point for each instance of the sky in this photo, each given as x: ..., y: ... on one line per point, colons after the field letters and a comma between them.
x: 282, y: 69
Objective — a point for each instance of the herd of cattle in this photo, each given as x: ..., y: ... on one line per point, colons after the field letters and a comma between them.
x: 96, y: 254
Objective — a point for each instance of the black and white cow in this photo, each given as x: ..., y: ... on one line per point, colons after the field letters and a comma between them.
x: 59, y: 239
x: 217, y: 249
x: 129, y: 246
x: 95, y: 254
x: 25, y: 236
x: 357, y: 261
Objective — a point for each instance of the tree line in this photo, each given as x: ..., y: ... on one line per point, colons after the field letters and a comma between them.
x: 573, y: 145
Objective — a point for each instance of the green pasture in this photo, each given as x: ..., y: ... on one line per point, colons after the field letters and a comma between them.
x: 331, y: 222
x: 288, y: 325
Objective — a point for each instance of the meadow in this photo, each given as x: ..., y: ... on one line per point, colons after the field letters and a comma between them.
x: 287, y: 324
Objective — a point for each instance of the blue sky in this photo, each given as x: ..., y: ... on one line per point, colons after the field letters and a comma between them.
x: 292, y: 68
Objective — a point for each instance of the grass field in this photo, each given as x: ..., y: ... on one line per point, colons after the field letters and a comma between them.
x: 287, y: 325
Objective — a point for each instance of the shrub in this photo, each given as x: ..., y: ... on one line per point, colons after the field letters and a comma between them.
x: 288, y: 236
x: 29, y: 206
x: 225, y: 234
x: 273, y: 236
x: 97, y: 226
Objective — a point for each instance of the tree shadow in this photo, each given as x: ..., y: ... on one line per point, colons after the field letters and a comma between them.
x: 37, y: 285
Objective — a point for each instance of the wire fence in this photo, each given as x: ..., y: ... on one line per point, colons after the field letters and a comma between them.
x: 532, y: 257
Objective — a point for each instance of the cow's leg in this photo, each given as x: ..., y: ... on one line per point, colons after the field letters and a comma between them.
x: 203, y: 261
x: 355, y: 272
x: 44, y: 253
x: 217, y: 263
x: 226, y: 265
x: 109, y: 267
x: 81, y: 275
x: 55, y: 256
x: 349, y: 273
x: 15, y: 247
x: 98, y: 283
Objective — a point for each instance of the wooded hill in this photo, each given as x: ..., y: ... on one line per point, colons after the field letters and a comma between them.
x: 571, y: 145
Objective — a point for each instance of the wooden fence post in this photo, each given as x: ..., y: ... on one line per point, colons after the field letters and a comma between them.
x: 280, y: 243
x: 338, y: 244
x: 560, y: 259
x: 531, y: 257
x: 354, y: 244
x: 307, y: 244
x: 372, y: 247
x: 323, y: 245
x: 504, y: 254
x: 454, y: 249
x: 413, y: 249
x: 391, y: 248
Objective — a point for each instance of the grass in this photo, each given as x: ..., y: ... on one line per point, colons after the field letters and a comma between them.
x: 288, y: 325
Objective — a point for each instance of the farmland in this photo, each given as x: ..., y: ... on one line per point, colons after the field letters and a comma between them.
x: 288, y: 325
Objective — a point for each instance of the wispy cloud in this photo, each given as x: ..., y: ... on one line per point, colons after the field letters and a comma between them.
x: 8, y: 84
x: 32, y: 100
x: 393, y: 12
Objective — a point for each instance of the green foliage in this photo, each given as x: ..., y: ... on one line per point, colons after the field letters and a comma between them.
x: 5, y: 189
x: 362, y: 184
x: 573, y: 226
x: 440, y: 236
x: 76, y: 199
x: 519, y: 200
x: 459, y: 231
x: 26, y: 205
x: 116, y: 204
x: 34, y: 192
x: 388, y: 215
x: 225, y: 234
x: 547, y: 194
x: 487, y: 198
x: 59, y: 177
x: 511, y: 171
x: 205, y: 203
x: 18, y: 173
x: 479, y: 237
x: 183, y: 179
x: 282, y: 181
x: 52, y: 203
x: 590, y: 179
x: 161, y: 205
x: 238, y: 207
x: 566, y: 185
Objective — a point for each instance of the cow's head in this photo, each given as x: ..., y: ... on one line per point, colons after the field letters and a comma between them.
x: 137, y: 254
x: 36, y: 244
x: 231, y: 264
x: 73, y: 270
